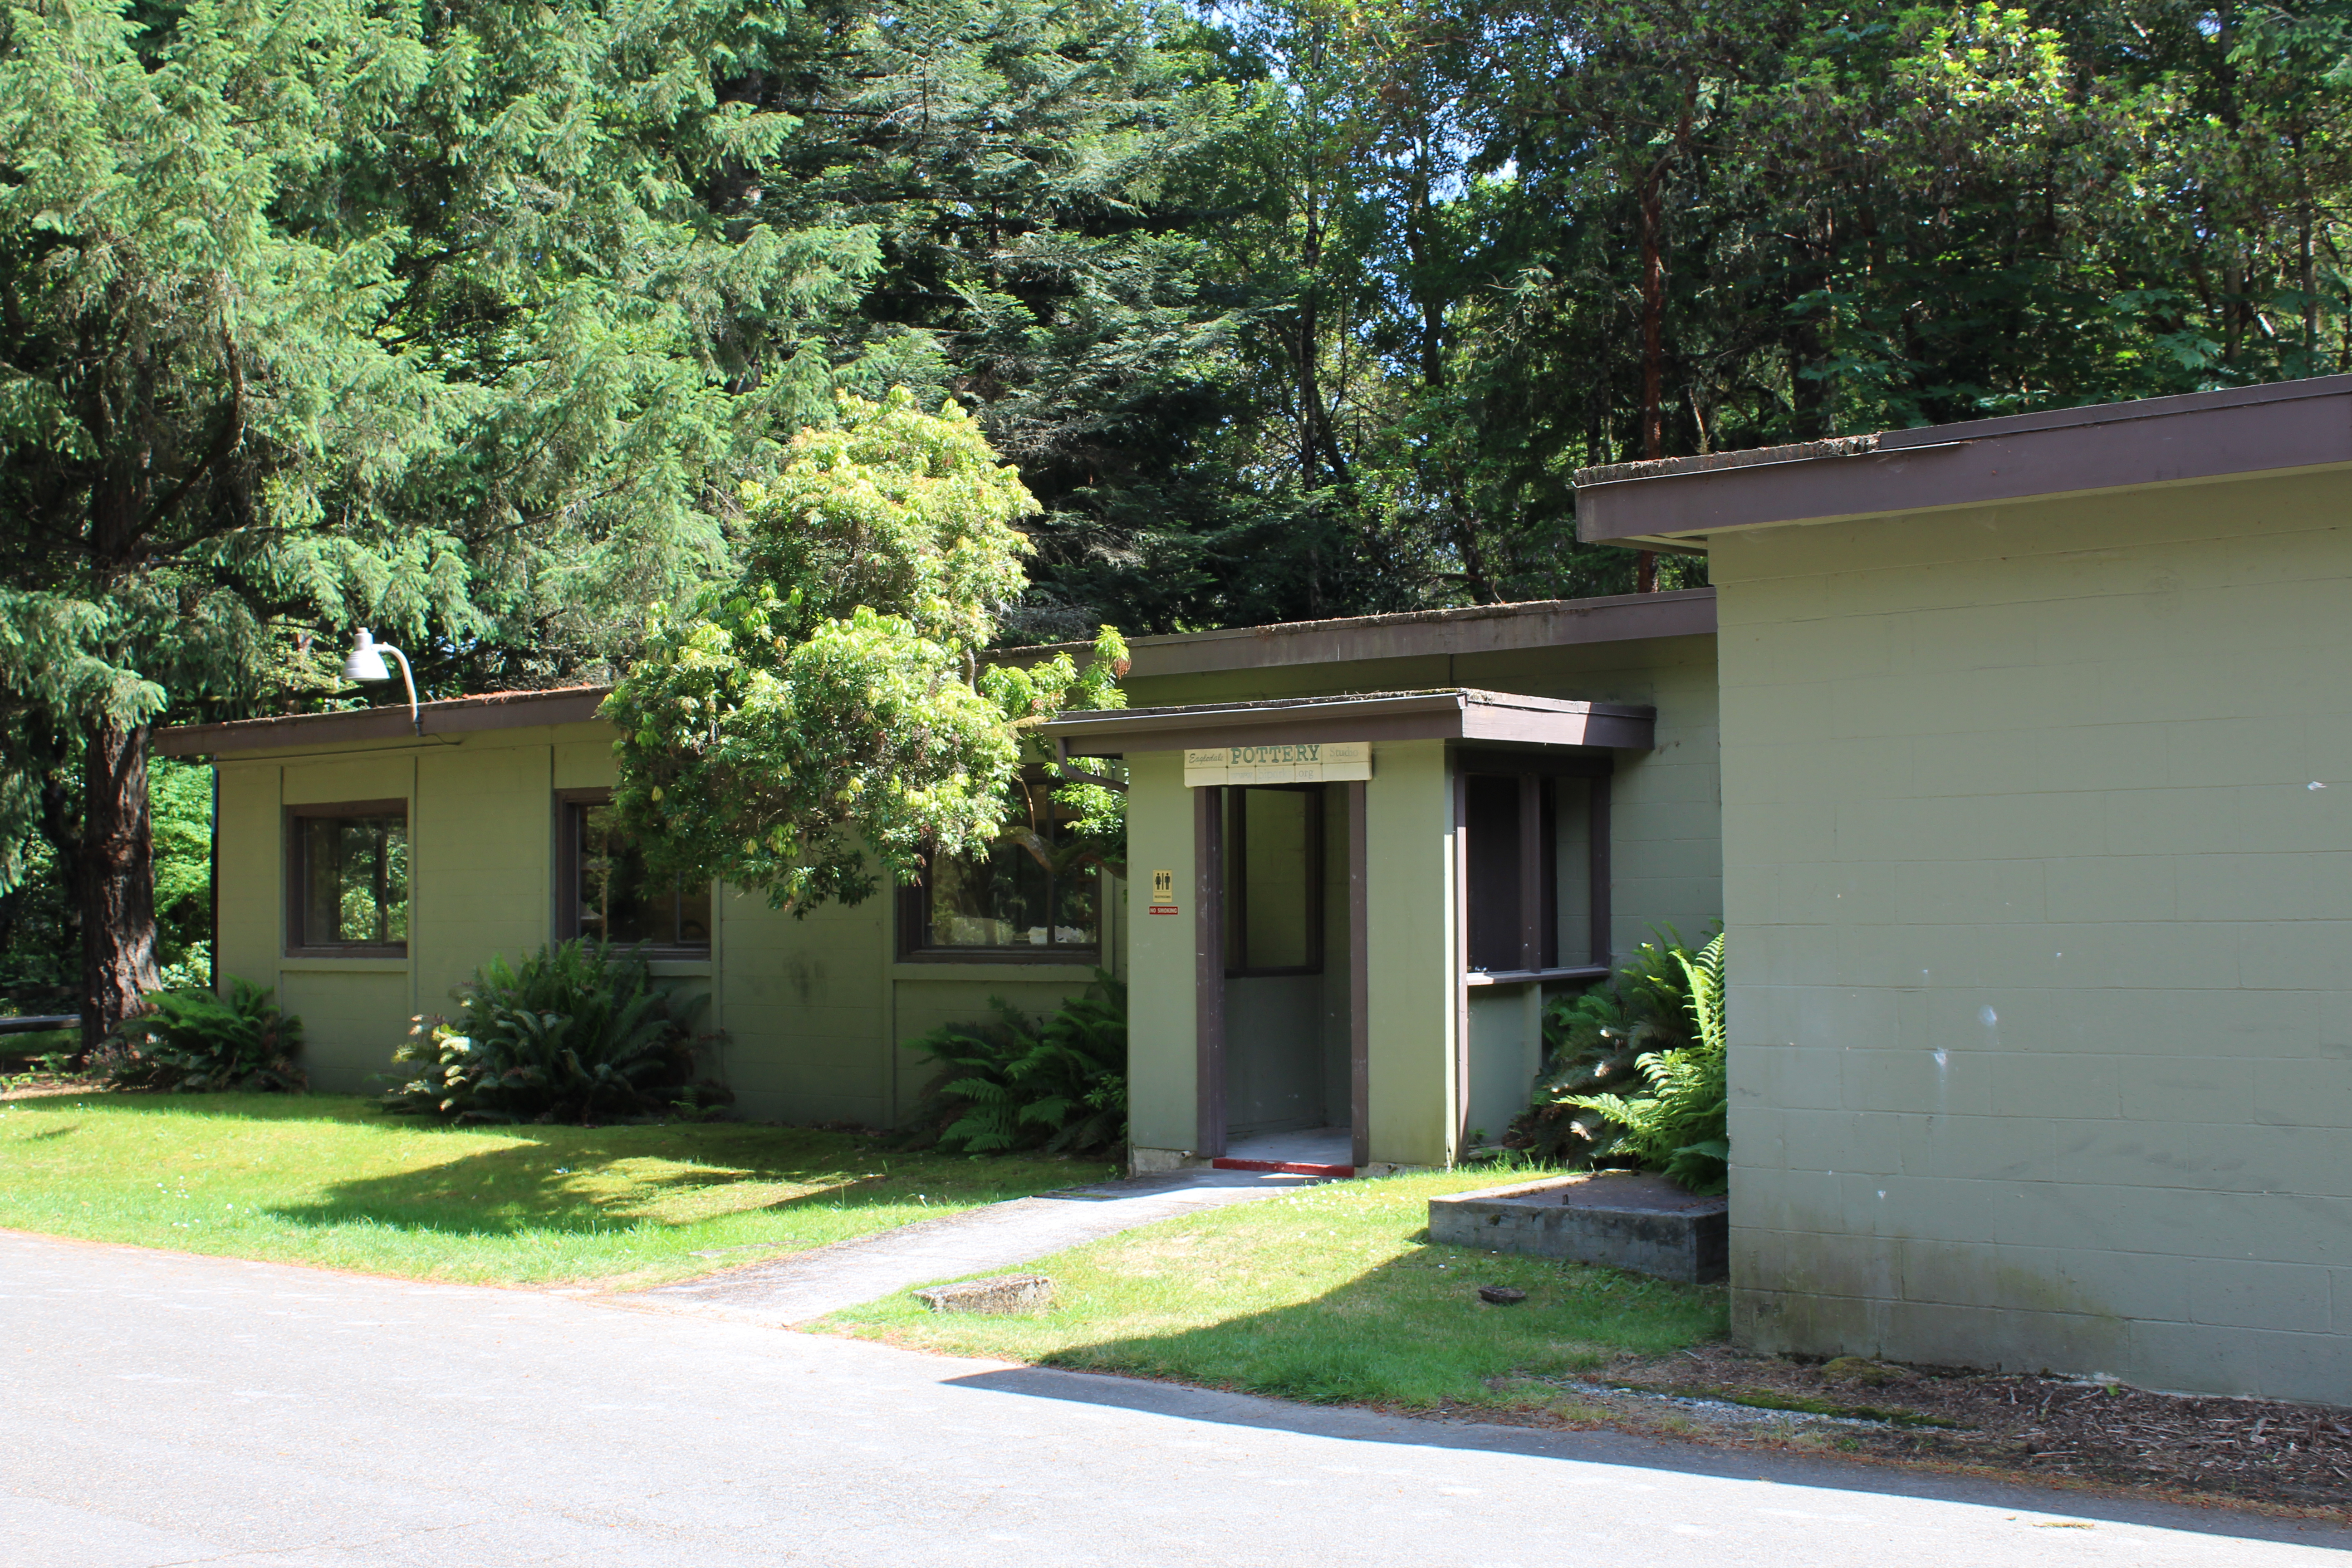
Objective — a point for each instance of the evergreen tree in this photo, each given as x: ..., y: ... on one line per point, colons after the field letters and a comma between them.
x: 319, y: 314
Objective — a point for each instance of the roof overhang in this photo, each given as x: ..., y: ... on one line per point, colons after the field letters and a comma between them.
x: 1419, y: 634
x: 1415, y: 633
x: 502, y: 711
x: 1682, y: 501
x: 1458, y: 713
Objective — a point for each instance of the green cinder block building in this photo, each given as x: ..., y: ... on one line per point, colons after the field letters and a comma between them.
x: 366, y: 867
x: 2017, y: 756
x: 2037, y: 837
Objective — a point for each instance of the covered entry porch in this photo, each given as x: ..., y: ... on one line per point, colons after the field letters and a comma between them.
x: 1347, y: 913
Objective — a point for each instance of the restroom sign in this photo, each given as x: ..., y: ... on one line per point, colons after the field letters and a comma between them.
x: 1280, y: 762
x: 1163, y: 892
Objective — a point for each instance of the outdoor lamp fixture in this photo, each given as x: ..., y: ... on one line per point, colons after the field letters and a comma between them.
x: 366, y: 663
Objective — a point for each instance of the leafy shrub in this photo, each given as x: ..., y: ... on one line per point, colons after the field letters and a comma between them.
x: 1057, y: 1084
x: 1594, y: 1043
x: 1679, y: 1126
x: 578, y: 1032
x: 193, y: 1041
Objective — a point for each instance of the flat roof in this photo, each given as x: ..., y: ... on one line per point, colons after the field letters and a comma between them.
x: 1417, y: 634
x: 2199, y: 435
x: 492, y: 710
x: 1476, y: 629
x: 1449, y: 713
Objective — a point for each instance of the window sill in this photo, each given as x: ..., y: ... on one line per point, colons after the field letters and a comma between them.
x: 1536, y: 976
x: 361, y: 963
x: 696, y: 967
x: 997, y: 965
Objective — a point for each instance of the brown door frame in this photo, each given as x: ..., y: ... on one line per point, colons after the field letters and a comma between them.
x: 1359, y: 980
x: 1209, y: 973
x: 1209, y: 970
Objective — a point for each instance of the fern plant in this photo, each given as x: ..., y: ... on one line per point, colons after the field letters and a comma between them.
x: 578, y: 1032
x: 1057, y: 1084
x: 1680, y: 1127
x: 1593, y: 1044
x: 193, y: 1041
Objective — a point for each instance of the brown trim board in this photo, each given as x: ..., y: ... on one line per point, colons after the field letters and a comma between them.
x: 1209, y: 971
x: 1360, y: 978
x: 2120, y: 445
x: 1415, y: 634
x: 502, y: 711
x: 1452, y: 714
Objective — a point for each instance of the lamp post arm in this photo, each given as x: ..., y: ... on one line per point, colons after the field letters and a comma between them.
x: 416, y: 717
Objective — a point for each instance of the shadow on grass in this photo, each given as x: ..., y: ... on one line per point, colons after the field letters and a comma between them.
x: 1414, y: 1332
x: 493, y: 1181
x: 1627, y: 1451
x: 553, y: 1185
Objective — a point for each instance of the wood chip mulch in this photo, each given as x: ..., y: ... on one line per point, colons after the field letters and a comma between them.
x: 2252, y: 1450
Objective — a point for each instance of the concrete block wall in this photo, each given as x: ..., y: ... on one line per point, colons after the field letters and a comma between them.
x: 2038, y: 863
x: 814, y: 1013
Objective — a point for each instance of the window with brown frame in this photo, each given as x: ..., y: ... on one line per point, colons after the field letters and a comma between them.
x: 1537, y: 865
x: 347, y: 879
x: 605, y: 891
x: 1035, y: 897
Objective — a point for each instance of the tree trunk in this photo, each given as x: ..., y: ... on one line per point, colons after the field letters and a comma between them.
x: 118, y: 876
x: 1653, y: 347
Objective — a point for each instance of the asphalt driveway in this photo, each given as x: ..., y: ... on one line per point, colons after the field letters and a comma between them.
x: 162, y: 1409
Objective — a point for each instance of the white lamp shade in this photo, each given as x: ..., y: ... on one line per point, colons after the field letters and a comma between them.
x: 365, y: 663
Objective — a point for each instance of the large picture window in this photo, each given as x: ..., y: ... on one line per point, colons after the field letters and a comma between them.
x: 1038, y: 894
x: 347, y: 879
x: 607, y: 891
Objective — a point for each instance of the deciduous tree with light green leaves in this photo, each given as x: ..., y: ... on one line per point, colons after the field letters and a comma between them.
x: 826, y: 720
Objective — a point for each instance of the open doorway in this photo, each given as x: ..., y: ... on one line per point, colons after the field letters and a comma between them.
x: 1289, y: 1061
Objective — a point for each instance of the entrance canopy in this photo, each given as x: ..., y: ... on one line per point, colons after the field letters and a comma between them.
x: 1445, y: 713
x: 1368, y: 948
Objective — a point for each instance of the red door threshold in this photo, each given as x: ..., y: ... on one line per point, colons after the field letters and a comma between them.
x: 1286, y: 1167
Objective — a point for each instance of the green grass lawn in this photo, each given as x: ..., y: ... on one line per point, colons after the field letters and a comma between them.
x: 1335, y: 1294
x: 327, y: 1180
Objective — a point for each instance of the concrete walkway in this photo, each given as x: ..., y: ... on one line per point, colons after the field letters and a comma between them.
x: 159, y: 1410
x: 1002, y: 1235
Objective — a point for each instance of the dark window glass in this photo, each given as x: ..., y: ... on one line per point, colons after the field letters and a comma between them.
x: 1498, y: 863
x: 614, y: 896
x: 1530, y: 865
x: 1034, y: 891
x: 354, y: 876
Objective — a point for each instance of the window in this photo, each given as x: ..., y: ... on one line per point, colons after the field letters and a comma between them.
x: 1274, y: 880
x: 1037, y: 895
x: 606, y: 890
x: 347, y: 879
x: 1538, y: 868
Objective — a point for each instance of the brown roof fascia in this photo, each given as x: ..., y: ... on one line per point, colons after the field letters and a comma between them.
x: 1451, y: 714
x: 2064, y: 451
x: 501, y: 710
x: 1418, y: 634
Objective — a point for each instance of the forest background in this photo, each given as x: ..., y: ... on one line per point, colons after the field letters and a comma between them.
x: 469, y: 323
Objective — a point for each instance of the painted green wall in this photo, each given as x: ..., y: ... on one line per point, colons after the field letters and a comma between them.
x: 815, y: 1012
x: 2039, y: 867
x: 1409, y: 936
x: 1163, y: 1026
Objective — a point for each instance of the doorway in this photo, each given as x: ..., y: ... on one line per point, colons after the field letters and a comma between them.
x: 1286, y: 1082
